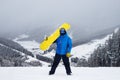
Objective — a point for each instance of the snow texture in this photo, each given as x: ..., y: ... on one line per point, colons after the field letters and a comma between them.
x: 41, y: 73
x: 23, y: 36
x: 85, y: 50
x: 80, y: 51
x: 116, y: 30
x: 31, y: 46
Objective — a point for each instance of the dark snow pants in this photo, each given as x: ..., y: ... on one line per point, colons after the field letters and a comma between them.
x: 56, y: 62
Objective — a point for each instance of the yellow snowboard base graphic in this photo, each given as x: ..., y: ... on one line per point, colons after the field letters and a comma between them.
x: 45, y: 44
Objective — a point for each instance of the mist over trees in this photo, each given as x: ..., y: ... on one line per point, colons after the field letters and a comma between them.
x: 107, y: 55
x: 14, y: 45
x: 12, y: 55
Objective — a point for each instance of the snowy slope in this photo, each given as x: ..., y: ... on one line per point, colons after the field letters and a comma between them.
x: 41, y: 73
x: 80, y: 51
x: 85, y: 50
x: 23, y: 54
x: 23, y: 36
x: 31, y: 46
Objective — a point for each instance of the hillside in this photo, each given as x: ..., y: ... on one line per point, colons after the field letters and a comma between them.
x: 99, y: 53
x: 107, y: 54
x: 12, y: 54
x: 81, y: 54
x: 82, y: 51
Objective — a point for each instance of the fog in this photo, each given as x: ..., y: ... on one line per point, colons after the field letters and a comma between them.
x: 18, y: 15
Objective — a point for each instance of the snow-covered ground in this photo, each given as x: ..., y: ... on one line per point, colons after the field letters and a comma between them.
x: 78, y: 51
x: 41, y: 73
x: 81, y: 51
x: 86, y: 49
x: 31, y: 46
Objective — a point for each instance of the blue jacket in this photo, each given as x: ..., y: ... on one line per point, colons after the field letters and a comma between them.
x: 64, y: 45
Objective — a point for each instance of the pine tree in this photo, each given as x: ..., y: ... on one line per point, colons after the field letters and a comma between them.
x: 107, y: 54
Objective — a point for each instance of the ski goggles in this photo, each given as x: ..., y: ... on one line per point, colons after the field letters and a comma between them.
x: 62, y: 30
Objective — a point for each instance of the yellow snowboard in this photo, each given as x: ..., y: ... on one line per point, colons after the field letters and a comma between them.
x: 45, y: 44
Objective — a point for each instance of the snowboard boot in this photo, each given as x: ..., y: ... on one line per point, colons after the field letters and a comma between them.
x: 69, y: 74
x: 51, y: 73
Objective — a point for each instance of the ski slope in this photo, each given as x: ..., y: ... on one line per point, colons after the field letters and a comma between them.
x: 41, y: 73
x: 31, y: 46
x: 78, y: 51
x: 81, y: 51
x: 23, y: 54
x: 84, y: 50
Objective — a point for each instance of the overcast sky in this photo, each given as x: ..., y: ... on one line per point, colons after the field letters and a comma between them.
x: 19, y: 14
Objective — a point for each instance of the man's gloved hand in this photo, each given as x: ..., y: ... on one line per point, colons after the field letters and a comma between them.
x: 68, y: 55
x: 46, y: 38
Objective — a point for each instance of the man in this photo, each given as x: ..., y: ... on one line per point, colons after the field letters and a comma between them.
x: 64, y: 46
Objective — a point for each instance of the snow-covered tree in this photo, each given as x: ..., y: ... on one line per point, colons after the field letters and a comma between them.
x: 107, y: 54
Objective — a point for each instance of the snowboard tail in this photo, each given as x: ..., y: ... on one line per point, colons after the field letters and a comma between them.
x: 46, y: 43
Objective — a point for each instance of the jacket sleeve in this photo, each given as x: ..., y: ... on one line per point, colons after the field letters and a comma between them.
x: 69, y: 46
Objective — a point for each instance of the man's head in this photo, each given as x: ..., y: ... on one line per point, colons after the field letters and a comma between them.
x: 62, y: 31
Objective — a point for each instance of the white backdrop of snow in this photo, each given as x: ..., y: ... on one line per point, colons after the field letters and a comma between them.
x: 80, y: 51
x: 85, y: 50
x: 41, y: 73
